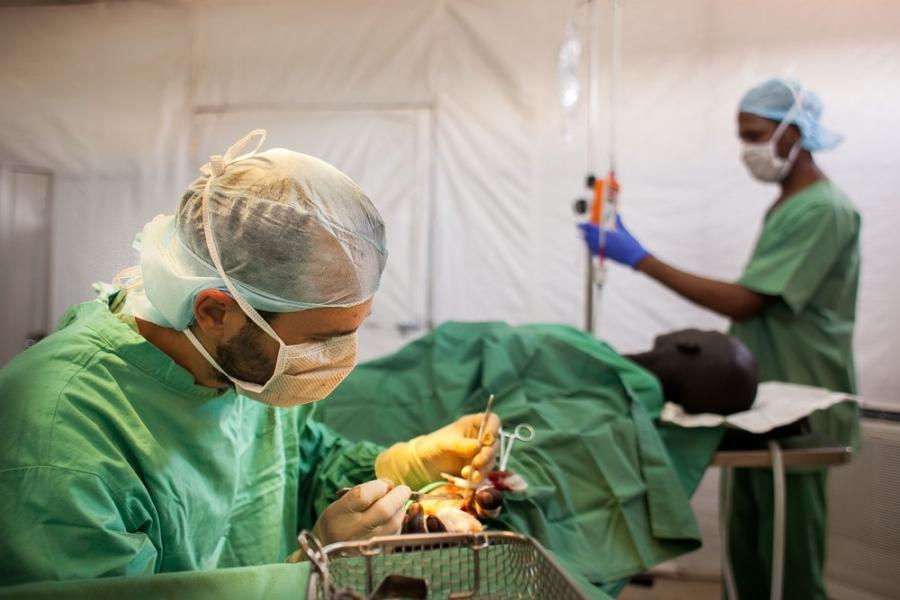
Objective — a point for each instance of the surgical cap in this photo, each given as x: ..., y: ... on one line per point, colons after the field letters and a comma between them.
x: 293, y: 233
x: 776, y: 99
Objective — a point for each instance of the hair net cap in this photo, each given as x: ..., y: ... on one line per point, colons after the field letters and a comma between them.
x: 780, y: 100
x: 293, y: 233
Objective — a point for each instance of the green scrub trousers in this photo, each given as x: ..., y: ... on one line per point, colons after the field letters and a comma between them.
x: 807, y: 258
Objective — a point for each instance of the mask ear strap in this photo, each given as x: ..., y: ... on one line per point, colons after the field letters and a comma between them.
x: 253, y: 387
x: 792, y: 155
x: 196, y: 343
x: 213, y: 246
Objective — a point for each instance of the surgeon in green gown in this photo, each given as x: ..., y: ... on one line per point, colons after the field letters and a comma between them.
x: 170, y: 425
x: 794, y: 306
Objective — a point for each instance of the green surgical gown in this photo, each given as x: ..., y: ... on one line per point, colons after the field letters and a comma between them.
x: 807, y: 257
x: 114, y: 462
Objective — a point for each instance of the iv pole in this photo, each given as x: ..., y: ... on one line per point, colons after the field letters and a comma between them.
x: 593, y: 117
x: 605, y: 200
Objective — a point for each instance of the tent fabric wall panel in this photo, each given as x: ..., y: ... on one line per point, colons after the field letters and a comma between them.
x: 288, y: 53
x: 104, y: 95
x: 95, y: 90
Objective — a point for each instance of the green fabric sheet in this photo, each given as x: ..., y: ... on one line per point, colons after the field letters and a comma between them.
x: 269, y: 581
x: 604, y: 492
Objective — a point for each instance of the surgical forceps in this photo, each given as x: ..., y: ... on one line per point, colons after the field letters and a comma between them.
x: 522, y: 432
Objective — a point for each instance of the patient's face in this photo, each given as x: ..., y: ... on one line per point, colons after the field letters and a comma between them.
x: 703, y: 371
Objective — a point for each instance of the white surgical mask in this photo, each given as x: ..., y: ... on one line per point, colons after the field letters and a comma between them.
x: 303, y: 373
x: 762, y: 159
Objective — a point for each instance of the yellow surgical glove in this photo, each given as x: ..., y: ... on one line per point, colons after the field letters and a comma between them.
x: 421, y: 460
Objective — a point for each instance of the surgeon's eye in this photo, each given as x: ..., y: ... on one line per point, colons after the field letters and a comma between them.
x: 752, y: 136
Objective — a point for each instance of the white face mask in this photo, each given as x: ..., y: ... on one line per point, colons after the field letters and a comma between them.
x: 763, y: 161
x: 303, y: 372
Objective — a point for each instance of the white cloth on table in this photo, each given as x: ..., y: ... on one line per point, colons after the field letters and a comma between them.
x: 776, y: 404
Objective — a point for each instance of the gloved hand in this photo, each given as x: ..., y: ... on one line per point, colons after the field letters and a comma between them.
x: 620, y: 244
x: 421, y: 460
x: 370, y: 509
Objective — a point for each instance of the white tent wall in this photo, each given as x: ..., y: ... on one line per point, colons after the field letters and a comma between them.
x: 97, y: 95
x: 106, y: 96
x: 506, y: 178
x: 121, y: 101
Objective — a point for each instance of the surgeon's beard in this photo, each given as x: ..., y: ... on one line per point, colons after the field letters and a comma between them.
x: 244, y: 357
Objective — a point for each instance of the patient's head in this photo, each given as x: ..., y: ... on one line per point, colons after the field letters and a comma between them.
x: 703, y: 371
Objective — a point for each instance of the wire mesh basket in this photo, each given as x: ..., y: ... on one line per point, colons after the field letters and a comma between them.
x: 447, y: 566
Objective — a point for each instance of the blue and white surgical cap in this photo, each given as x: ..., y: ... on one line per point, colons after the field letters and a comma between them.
x: 292, y: 232
x: 786, y: 100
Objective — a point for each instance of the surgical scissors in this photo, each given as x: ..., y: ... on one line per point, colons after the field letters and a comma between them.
x: 522, y: 432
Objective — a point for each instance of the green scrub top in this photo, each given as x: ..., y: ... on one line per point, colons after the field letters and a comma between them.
x: 114, y: 462
x: 807, y: 256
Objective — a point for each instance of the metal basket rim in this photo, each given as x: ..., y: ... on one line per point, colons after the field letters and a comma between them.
x: 436, y: 541
x: 444, y: 540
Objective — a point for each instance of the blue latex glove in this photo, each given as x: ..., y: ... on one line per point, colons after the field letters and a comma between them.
x: 620, y: 244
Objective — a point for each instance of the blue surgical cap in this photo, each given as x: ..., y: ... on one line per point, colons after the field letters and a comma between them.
x: 776, y: 99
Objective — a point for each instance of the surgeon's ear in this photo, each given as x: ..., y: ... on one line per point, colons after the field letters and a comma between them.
x: 214, y: 313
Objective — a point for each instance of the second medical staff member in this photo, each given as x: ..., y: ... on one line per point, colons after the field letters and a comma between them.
x: 159, y: 429
x: 794, y: 306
